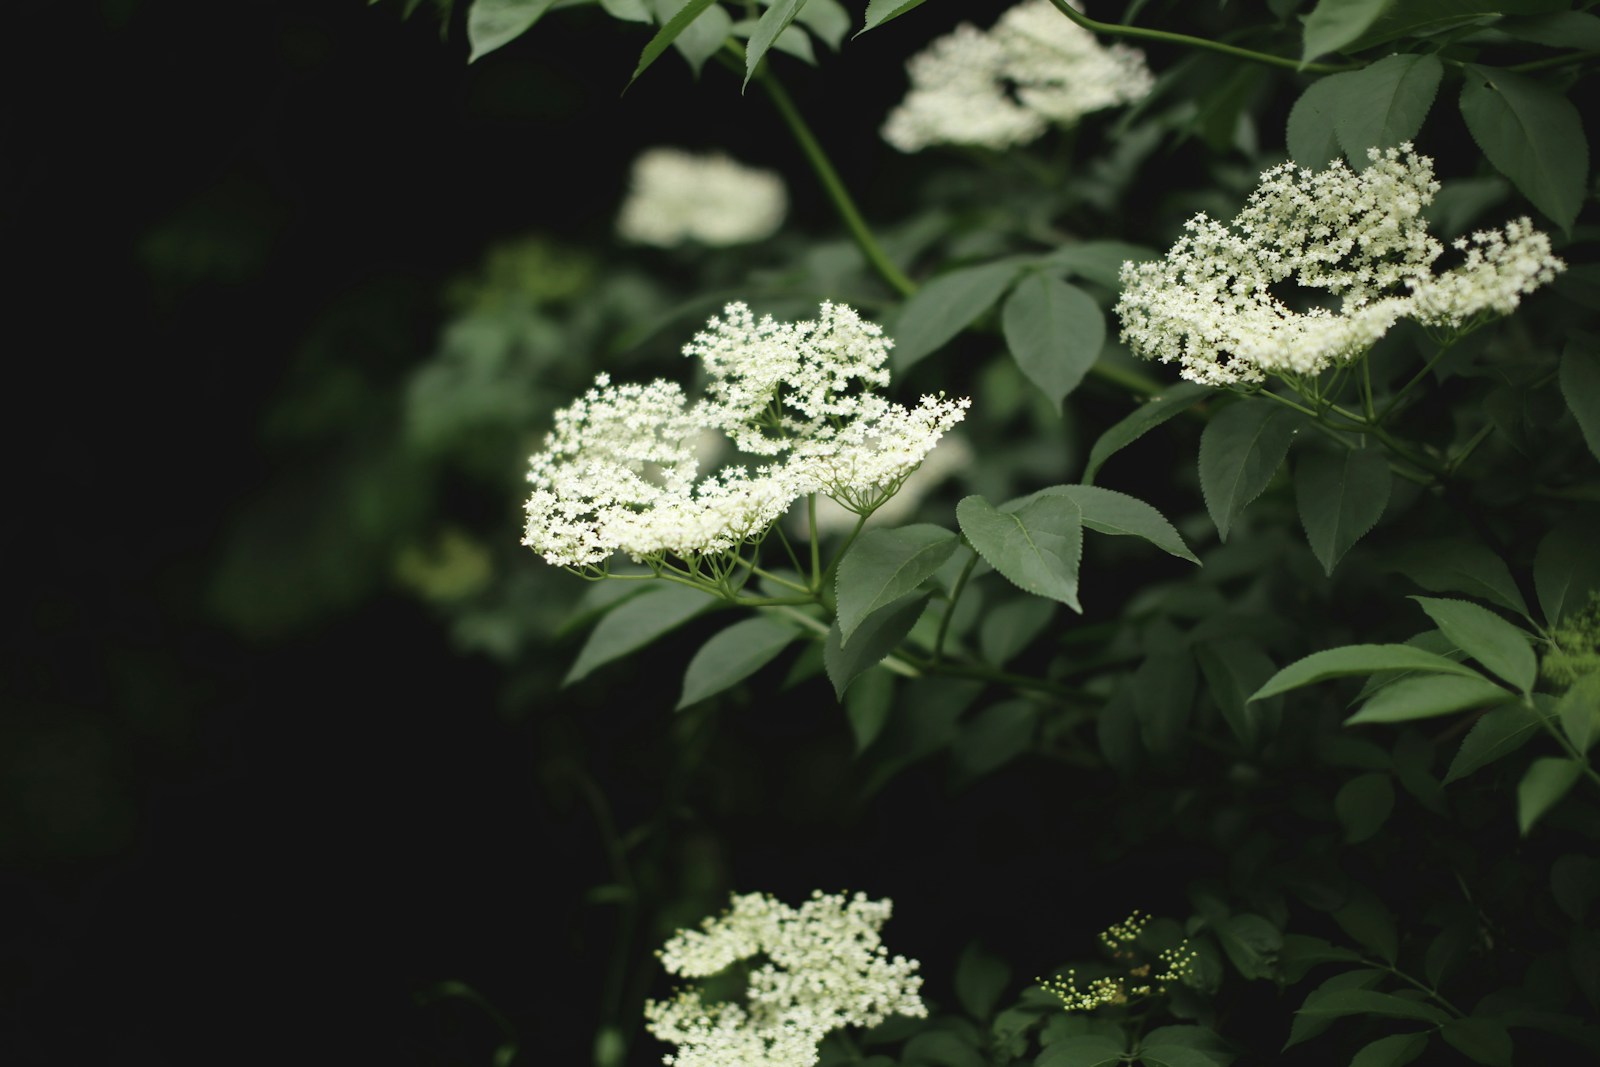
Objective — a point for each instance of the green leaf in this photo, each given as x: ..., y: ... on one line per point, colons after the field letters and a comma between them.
x: 1579, y: 712
x: 1098, y: 261
x: 1482, y: 1040
x: 1486, y: 637
x: 1363, y: 805
x: 492, y: 24
x: 1580, y: 385
x: 1308, y: 1026
x: 1423, y: 18
x: 1301, y: 952
x: 1359, y: 659
x: 1427, y: 698
x: 1384, y: 103
x: 1011, y: 627
x: 1566, y: 567
x: 1055, y: 332
x: 1163, y: 692
x: 1109, y: 512
x: 1173, y: 401
x: 1396, y: 1050
x: 885, y: 565
x: 1497, y: 733
x: 992, y: 738
x: 732, y: 655
x: 1034, y: 541
x: 635, y: 623
x: 881, y: 11
x: 1532, y: 134
x: 875, y: 637
x: 1447, y: 949
x: 943, y: 308
x: 1338, y: 1003
x: 941, y: 1048
x: 1234, y: 669
x: 1367, y: 920
x: 1455, y: 566
x: 1154, y: 1054
x: 1312, y: 136
x: 705, y: 36
x: 1563, y: 29
x: 1252, y: 944
x: 867, y: 705
x: 979, y: 980
x: 1333, y: 24
x: 1240, y: 450
x: 1575, y: 883
x: 1546, y: 782
x: 1083, y: 1050
x: 627, y: 10
x: 675, y: 26
x: 774, y: 20
x: 827, y: 19
x: 1340, y: 497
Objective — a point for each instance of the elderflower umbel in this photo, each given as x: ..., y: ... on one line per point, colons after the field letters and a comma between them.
x: 1361, y: 237
x: 676, y: 196
x: 822, y: 967
x: 1006, y: 86
x: 619, y: 471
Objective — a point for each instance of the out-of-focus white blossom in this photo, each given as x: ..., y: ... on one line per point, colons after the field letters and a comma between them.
x: 620, y: 470
x: 1006, y: 86
x: 676, y: 196
x: 824, y: 968
x: 1361, y: 237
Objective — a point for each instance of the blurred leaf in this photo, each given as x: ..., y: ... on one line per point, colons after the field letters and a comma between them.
x: 1426, y: 698
x: 1566, y: 567
x: 1300, y: 952
x: 1333, y: 24
x: 1455, y: 566
x: 1446, y: 950
x: 1482, y: 1040
x: 732, y: 655
x: 1011, y: 627
x: 1562, y: 29
x: 492, y: 24
x: 979, y: 980
x: 1173, y: 401
x: 1578, y: 710
x: 867, y: 705
x: 1532, y: 134
x: 1156, y: 1054
x: 671, y: 31
x: 1545, y: 783
x: 884, y: 565
x: 1580, y: 385
x: 1241, y: 449
x: 875, y: 637
x: 1359, y: 659
x: 1234, y: 669
x: 1054, y: 331
x: 1164, y: 690
x: 1497, y: 733
x: 1392, y: 1051
x: 941, y: 1048
x: 1252, y: 944
x: 943, y: 307
x: 828, y: 19
x: 1424, y: 18
x: 1034, y: 541
x: 1085, y: 1050
x: 1337, y: 1003
x: 1363, y: 805
x: 1340, y: 497
x: 636, y: 622
x: 1098, y: 261
x: 1305, y: 1027
x: 992, y: 738
x: 1575, y: 883
x: 1367, y: 920
x: 1486, y: 637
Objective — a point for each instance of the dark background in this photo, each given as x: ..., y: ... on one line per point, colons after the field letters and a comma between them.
x: 222, y: 848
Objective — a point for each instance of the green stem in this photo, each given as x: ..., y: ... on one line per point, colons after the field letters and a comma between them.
x: 950, y: 608
x: 981, y: 673
x: 1561, y: 739
x: 1453, y: 465
x: 1427, y: 368
x: 1113, y: 29
x: 892, y: 662
x: 1131, y: 380
x: 833, y: 563
x: 1433, y: 994
x: 816, y: 550
x: 1554, y: 61
x: 832, y: 184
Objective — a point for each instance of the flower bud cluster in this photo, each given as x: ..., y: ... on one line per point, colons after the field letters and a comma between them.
x: 677, y: 196
x: 1361, y: 238
x: 822, y: 967
x: 620, y: 469
x: 1005, y: 87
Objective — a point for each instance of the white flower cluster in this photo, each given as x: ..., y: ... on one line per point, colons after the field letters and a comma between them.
x: 619, y: 470
x: 1210, y: 305
x: 676, y: 196
x: 1005, y: 87
x: 824, y: 968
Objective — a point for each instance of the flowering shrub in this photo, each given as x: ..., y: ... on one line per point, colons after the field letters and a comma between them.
x: 1291, y: 647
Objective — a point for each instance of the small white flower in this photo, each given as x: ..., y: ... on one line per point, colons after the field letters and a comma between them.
x: 677, y: 196
x: 825, y: 968
x: 1007, y: 86
x: 1210, y: 306
x: 620, y: 470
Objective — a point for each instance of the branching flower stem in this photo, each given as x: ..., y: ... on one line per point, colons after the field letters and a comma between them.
x: 950, y: 608
x: 1113, y: 29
